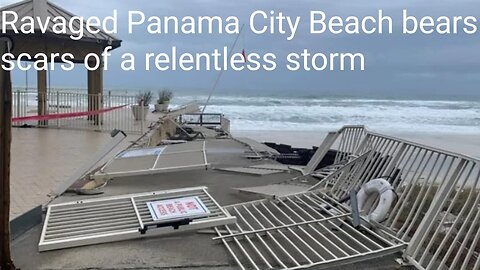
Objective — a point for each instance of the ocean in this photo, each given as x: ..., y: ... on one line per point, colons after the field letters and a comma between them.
x: 326, y: 112
x: 311, y: 113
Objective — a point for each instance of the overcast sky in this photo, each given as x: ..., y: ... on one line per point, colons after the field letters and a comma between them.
x: 426, y: 66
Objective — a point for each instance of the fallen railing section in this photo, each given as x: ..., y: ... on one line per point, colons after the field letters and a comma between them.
x: 436, y: 214
x: 299, y: 232
x: 344, y: 141
x: 437, y: 209
x: 347, y: 142
x: 154, y: 160
x: 132, y: 216
x: 448, y: 235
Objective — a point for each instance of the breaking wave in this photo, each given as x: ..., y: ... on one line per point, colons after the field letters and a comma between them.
x: 272, y: 113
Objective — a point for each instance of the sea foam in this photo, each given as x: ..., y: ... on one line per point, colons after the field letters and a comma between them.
x: 269, y: 113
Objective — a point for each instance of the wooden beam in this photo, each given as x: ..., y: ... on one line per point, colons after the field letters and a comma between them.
x: 95, y: 91
x: 99, y: 81
x: 99, y: 93
x: 5, y: 141
x: 90, y: 90
x: 42, y: 95
x: 32, y: 45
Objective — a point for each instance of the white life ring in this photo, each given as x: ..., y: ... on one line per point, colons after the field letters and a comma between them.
x: 381, y: 187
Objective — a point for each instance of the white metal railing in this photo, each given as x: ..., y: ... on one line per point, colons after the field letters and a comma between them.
x: 206, y: 119
x: 438, y: 207
x: 435, y: 219
x: 124, y: 217
x: 26, y: 103
x: 448, y: 235
x: 300, y: 231
x: 347, y: 142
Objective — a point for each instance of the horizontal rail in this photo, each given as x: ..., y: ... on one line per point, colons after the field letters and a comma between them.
x: 80, y: 106
x: 281, y: 227
x: 438, y: 205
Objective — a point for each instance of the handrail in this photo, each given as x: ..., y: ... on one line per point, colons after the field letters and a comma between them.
x: 438, y: 191
x: 436, y: 149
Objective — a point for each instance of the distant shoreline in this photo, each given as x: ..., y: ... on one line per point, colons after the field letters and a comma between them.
x: 467, y: 144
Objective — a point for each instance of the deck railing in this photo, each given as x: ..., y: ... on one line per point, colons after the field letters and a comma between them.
x: 206, y: 119
x: 437, y: 211
x: 26, y: 103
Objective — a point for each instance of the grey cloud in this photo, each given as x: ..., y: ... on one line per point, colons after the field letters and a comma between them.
x: 395, y: 62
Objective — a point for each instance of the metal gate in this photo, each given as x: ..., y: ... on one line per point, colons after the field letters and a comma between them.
x: 124, y: 217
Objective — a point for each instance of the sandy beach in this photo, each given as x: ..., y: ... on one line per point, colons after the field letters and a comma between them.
x: 468, y: 144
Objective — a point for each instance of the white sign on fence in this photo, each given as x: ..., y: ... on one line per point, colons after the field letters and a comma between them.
x: 179, y: 208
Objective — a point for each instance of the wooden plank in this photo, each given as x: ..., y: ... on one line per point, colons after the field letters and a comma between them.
x: 42, y: 95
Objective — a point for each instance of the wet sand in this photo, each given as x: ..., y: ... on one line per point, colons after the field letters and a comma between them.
x: 468, y: 144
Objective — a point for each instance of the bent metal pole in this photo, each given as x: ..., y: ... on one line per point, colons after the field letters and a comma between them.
x: 5, y: 140
x: 221, y: 71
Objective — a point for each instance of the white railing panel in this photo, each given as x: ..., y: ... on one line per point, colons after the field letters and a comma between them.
x: 437, y: 211
x: 25, y: 103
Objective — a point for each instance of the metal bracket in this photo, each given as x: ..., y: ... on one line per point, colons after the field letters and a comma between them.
x: 175, y: 224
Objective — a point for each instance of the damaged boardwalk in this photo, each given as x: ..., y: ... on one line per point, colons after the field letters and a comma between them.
x: 316, y: 228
